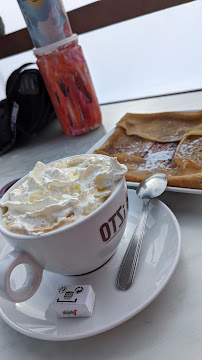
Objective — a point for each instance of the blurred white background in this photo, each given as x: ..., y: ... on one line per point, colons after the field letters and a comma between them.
x: 154, y: 54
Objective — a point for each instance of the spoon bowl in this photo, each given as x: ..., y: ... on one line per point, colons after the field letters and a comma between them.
x: 152, y: 187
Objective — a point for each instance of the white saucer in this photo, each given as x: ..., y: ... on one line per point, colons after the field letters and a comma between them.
x: 158, y: 260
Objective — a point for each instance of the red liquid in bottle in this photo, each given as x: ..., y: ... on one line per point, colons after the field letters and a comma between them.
x: 69, y: 84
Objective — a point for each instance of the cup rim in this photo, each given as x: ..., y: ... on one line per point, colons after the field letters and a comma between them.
x: 65, y: 227
x: 48, y: 49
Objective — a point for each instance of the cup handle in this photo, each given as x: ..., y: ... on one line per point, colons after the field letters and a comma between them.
x: 33, y: 279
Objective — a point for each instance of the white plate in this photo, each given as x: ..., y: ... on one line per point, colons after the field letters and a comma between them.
x: 158, y: 260
x: 135, y: 184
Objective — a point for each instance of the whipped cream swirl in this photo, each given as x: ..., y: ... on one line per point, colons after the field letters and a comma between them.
x: 60, y: 193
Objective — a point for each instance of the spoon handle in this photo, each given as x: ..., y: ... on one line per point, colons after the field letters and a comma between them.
x: 129, y: 263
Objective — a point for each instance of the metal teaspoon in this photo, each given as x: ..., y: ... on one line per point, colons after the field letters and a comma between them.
x: 152, y: 187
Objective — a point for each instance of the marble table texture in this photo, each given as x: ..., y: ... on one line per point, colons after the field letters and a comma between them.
x: 171, y: 326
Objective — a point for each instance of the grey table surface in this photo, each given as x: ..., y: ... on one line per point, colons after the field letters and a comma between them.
x: 171, y: 326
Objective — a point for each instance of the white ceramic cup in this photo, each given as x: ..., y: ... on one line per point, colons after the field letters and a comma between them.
x: 74, y: 249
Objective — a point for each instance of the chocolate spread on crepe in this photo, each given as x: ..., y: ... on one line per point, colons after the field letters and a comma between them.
x: 169, y: 142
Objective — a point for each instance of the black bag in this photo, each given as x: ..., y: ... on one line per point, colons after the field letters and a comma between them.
x: 7, y: 132
x: 27, y: 109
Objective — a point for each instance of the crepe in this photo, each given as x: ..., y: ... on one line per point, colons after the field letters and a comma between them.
x: 168, y: 142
